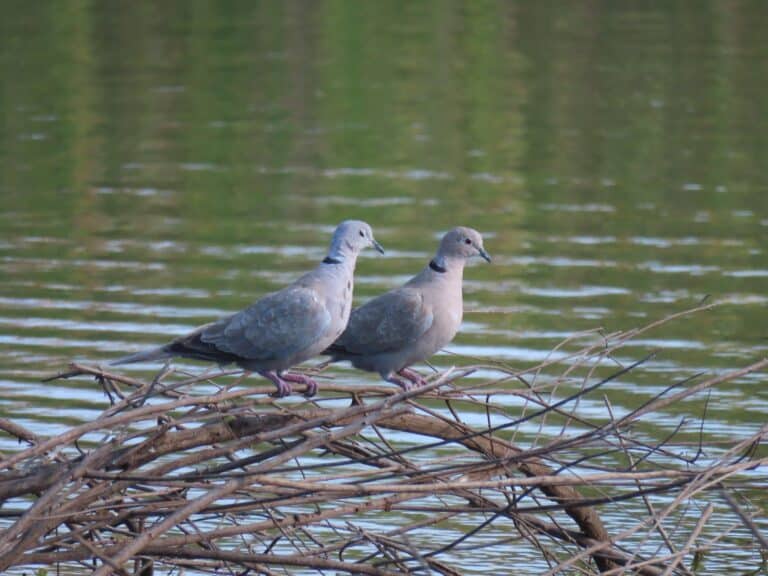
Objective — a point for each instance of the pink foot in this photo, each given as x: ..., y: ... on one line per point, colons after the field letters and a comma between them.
x: 404, y: 384
x: 413, y: 376
x: 301, y: 379
x: 283, y: 387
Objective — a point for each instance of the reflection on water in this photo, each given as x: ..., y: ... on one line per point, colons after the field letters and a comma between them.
x: 192, y: 159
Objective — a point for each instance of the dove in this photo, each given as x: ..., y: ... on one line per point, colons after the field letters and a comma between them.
x: 410, y: 323
x: 283, y: 328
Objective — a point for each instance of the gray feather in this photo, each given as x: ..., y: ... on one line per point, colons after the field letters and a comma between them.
x: 411, y: 323
x: 283, y: 328
x: 159, y: 353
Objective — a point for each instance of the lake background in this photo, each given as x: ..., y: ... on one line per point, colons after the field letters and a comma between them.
x: 162, y: 165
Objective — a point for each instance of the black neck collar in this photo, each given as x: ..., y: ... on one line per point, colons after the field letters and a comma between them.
x: 436, y: 267
x: 329, y: 260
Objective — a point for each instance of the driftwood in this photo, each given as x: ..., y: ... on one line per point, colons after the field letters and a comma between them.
x: 236, y: 481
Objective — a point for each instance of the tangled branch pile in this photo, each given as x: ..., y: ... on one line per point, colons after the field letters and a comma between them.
x: 183, y: 474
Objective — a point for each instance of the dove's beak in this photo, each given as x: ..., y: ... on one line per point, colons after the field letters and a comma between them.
x: 377, y: 246
x: 484, y: 254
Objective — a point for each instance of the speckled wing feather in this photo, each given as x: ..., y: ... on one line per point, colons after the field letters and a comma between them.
x: 277, y: 326
x: 388, y: 323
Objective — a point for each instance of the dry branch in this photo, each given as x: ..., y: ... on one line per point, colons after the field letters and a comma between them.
x: 240, y: 481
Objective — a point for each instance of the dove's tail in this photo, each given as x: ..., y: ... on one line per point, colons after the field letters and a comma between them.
x: 160, y: 353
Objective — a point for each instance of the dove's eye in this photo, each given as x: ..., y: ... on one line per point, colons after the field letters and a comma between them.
x: 467, y: 241
x: 362, y: 234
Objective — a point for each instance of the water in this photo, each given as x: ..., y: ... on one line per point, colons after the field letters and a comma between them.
x: 164, y: 165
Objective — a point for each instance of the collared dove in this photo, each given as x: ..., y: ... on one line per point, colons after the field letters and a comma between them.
x: 284, y: 328
x: 411, y: 323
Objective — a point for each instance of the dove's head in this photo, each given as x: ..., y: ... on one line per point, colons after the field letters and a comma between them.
x: 352, y: 236
x: 462, y: 243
